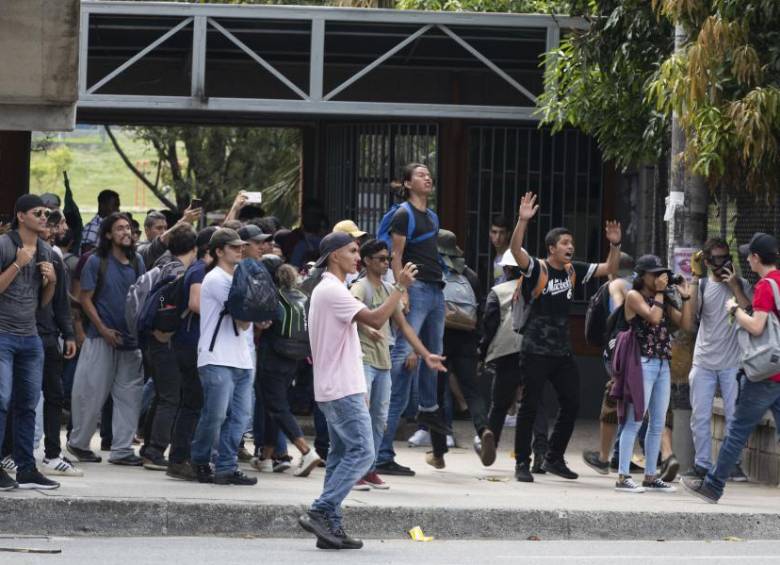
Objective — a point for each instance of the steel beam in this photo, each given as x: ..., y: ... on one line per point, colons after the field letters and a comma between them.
x: 316, y: 58
x: 199, y: 38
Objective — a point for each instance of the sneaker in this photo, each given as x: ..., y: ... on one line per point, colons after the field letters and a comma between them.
x: 347, y: 541
x: 32, y: 479
x: 477, y: 445
x: 83, y: 455
x: 627, y: 484
x: 450, y: 441
x: 60, y: 466
x: 433, y: 421
x: 154, y: 461
x: 8, y: 465
x: 203, y: 473
x: 361, y: 485
x: 696, y: 472
x: 523, y: 473
x: 131, y: 460
x: 538, y: 465
x: 393, y: 468
x: 6, y: 482
x: 669, y: 469
x: 420, y: 438
x: 559, y: 469
x: 592, y: 460
x: 375, y: 481
x: 181, y: 471
x: 700, y: 488
x: 306, y: 464
x: 284, y: 462
x: 234, y: 478
x: 510, y: 421
x: 262, y: 465
x: 738, y: 475
x: 487, y: 455
x: 244, y: 456
x: 435, y: 461
x: 315, y: 522
x: 657, y: 485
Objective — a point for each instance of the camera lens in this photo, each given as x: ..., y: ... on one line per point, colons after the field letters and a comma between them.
x: 676, y: 279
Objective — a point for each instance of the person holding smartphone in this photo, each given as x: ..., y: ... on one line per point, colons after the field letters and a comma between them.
x: 716, y: 353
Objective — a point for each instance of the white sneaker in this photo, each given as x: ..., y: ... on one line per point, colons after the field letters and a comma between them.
x: 420, y: 438
x: 510, y: 421
x: 477, y: 444
x: 262, y: 465
x: 306, y: 464
x: 450, y: 441
x: 8, y: 465
x: 60, y: 466
x: 627, y: 484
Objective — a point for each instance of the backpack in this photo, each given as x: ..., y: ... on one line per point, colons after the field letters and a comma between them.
x: 165, y: 308
x: 596, y: 316
x: 761, y: 353
x: 136, y: 299
x: 291, y: 330
x: 616, y: 322
x: 522, y: 311
x: 383, y: 232
x: 460, y: 303
x: 252, y: 296
x: 311, y: 281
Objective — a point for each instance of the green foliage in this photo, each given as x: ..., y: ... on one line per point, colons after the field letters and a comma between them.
x: 517, y: 6
x: 46, y: 172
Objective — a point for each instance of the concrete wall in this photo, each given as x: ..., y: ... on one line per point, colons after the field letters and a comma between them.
x: 38, y: 64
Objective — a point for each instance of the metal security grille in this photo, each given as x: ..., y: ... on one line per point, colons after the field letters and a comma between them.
x: 565, y: 170
x: 362, y: 161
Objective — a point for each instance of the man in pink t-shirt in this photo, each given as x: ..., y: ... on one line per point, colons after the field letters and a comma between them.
x: 756, y: 397
x: 339, y: 383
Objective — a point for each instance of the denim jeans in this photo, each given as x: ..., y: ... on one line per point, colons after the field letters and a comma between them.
x: 21, y: 375
x: 227, y: 408
x: 426, y: 316
x: 703, y: 383
x: 657, y: 390
x: 754, y: 400
x: 351, y: 452
x: 378, y: 385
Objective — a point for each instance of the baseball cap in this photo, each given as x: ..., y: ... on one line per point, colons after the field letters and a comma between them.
x: 650, y: 264
x: 27, y: 202
x: 350, y: 227
x: 330, y: 243
x: 761, y: 244
x: 50, y: 200
x: 204, y: 235
x: 508, y: 260
x: 251, y: 232
x: 223, y: 237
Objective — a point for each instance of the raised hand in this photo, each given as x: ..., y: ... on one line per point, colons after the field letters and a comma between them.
x: 408, y: 275
x: 528, y: 207
x: 614, y: 232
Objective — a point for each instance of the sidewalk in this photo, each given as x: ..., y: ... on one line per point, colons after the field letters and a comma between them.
x: 463, y: 501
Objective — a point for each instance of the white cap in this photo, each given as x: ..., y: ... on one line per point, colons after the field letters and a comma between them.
x: 508, y: 260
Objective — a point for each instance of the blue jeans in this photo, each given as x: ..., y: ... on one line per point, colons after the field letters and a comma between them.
x: 703, y: 383
x: 426, y: 317
x: 754, y: 400
x: 657, y: 390
x: 351, y: 452
x: 227, y: 408
x: 21, y: 376
x: 378, y: 385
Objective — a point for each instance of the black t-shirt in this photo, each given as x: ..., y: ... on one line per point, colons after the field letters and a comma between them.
x: 547, y: 329
x: 424, y: 254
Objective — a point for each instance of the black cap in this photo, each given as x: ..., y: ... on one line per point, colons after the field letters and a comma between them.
x: 223, y: 237
x: 330, y: 243
x: 204, y: 235
x: 761, y: 244
x: 251, y: 232
x: 27, y: 202
x: 650, y: 264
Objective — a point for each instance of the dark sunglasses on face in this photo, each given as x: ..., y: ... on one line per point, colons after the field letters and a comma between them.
x: 41, y: 212
x: 383, y: 258
x: 719, y: 260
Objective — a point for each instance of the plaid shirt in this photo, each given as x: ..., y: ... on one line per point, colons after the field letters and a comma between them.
x: 89, y: 237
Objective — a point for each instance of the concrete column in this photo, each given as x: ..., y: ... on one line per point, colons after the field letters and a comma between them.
x: 14, y: 169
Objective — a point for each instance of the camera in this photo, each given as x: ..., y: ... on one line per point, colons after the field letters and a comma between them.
x: 676, y: 279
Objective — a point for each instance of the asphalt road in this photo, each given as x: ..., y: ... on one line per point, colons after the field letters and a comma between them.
x: 135, y: 551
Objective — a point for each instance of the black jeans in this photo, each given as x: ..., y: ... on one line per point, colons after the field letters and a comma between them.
x: 166, y: 377
x: 460, y: 349
x: 439, y: 441
x: 190, y: 405
x: 276, y: 375
x: 505, y: 385
x: 562, y: 373
x: 53, y: 397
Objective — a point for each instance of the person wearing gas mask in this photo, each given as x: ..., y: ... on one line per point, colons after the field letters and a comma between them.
x: 716, y: 354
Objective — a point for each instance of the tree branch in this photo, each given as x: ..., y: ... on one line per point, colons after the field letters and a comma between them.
x: 156, y: 191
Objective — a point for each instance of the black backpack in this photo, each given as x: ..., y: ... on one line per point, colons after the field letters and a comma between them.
x: 596, y: 317
x: 170, y: 309
x: 615, y: 323
x: 290, y: 333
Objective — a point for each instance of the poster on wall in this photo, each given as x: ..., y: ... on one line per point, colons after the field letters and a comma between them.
x: 682, y: 261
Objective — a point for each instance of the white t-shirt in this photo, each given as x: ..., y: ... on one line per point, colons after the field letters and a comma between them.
x: 335, y: 345
x: 230, y: 350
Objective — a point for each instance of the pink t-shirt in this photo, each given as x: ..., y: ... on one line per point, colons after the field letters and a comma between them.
x: 335, y: 345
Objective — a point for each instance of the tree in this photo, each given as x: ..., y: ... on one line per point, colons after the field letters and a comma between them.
x: 517, y: 6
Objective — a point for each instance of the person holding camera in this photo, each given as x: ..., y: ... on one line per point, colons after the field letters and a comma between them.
x: 716, y: 353
x: 648, y: 309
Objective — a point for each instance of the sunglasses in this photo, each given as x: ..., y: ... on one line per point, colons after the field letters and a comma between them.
x: 42, y: 212
x: 719, y: 260
x: 383, y: 258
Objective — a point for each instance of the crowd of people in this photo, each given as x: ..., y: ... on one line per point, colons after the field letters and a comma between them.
x: 142, y: 342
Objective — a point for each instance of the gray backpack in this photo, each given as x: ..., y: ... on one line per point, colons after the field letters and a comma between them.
x: 761, y: 353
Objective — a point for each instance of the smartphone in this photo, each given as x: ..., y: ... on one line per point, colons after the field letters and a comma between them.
x: 254, y: 197
x: 195, y: 203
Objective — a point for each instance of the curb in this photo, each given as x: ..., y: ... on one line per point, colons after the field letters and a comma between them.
x: 57, y: 516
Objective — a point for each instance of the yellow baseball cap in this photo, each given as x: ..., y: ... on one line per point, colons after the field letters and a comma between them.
x: 350, y: 227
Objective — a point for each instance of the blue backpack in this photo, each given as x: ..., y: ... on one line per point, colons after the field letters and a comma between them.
x: 383, y: 233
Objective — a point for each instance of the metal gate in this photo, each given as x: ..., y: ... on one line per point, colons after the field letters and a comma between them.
x: 565, y: 170
x: 363, y: 159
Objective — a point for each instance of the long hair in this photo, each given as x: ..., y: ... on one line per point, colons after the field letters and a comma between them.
x: 104, y: 243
